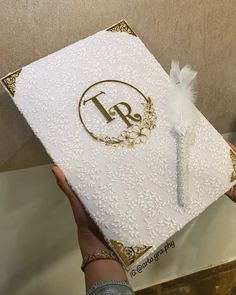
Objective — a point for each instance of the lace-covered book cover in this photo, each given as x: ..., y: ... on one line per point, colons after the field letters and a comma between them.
x: 99, y: 107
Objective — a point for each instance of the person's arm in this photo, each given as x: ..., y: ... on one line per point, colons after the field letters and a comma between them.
x: 99, y: 274
x: 99, y: 270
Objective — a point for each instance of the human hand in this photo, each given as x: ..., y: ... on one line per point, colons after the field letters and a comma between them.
x: 89, y: 235
x: 90, y: 238
x: 232, y: 192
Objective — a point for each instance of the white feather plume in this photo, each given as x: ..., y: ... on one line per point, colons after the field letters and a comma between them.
x: 182, y: 97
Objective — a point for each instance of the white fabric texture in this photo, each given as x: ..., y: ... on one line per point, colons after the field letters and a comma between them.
x: 131, y: 193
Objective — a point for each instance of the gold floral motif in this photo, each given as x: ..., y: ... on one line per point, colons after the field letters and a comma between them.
x: 129, y: 254
x: 138, y: 133
x: 9, y: 81
x: 233, y: 158
x: 121, y: 26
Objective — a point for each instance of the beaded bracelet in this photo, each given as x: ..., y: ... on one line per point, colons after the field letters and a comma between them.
x: 101, y: 255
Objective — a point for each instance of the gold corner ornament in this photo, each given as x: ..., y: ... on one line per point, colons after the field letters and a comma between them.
x: 121, y: 26
x: 233, y: 159
x: 137, y: 128
x: 9, y: 81
x: 129, y: 254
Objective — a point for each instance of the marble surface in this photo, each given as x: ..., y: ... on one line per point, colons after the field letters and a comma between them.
x: 219, y: 281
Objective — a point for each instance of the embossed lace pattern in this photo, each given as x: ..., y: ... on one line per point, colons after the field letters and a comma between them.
x: 130, y: 192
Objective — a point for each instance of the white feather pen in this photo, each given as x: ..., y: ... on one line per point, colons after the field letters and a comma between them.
x: 182, y: 97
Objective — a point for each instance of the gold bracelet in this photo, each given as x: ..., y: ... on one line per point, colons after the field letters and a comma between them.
x: 98, y: 256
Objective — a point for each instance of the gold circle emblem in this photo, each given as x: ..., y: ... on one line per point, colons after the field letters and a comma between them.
x: 102, y: 107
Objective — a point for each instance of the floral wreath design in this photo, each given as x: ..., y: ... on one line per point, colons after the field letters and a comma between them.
x: 138, y: 133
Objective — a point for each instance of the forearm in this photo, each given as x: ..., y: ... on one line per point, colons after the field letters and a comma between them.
x: 99, y: 270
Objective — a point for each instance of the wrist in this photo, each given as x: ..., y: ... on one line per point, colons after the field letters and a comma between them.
x: 90, y: 243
